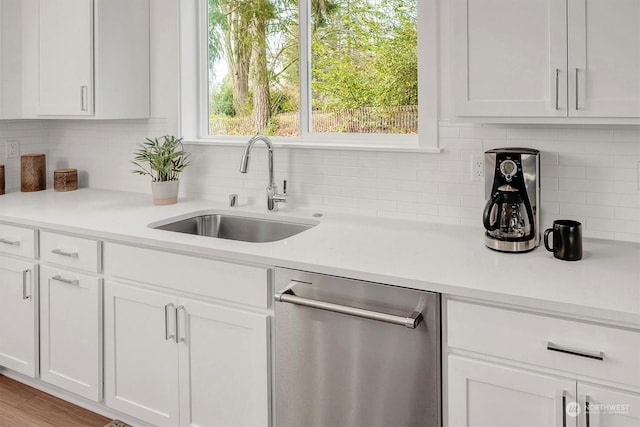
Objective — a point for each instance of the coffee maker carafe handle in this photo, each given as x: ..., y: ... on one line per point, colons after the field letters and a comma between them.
x: 486, y: 216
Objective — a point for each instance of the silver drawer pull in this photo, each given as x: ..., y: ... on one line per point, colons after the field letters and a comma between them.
x: 410, y: 322
x: 61, y: 279
x: 62, y: 252
x: 9, y: 242
x: 582, y: 353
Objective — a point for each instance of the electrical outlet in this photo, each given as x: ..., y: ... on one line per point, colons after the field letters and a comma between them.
x: 477, y: 167
x: 13, y: 148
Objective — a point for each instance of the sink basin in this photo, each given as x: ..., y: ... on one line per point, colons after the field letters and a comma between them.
x: 236, y: 227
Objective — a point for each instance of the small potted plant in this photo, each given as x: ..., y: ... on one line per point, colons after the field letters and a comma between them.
x: 163, y: 159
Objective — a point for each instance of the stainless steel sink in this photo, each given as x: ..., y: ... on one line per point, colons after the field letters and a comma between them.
x: 236, y: 227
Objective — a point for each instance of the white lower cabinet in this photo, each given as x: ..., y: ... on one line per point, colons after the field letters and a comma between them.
x: 18, y: 316
x: 174, y: 361
x: 483, y: 394
x: 516, y: 367
x: 71, y: 331
x: 608, y: 407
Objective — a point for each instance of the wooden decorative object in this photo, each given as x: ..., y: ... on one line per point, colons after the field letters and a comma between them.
x: 33, y: 172
x: 65, y: 179
x: 1, y: 179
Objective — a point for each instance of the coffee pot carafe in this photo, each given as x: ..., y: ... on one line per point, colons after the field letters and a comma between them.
x: 510, y: 214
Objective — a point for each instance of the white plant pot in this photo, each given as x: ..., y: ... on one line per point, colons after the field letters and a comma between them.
x: 165, y: 192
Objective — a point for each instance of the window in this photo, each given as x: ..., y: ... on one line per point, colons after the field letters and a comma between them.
x: 363, y: 74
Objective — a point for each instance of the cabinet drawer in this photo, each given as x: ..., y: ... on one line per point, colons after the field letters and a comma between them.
x: 525, y: 337
x: 18, y: 241
x: 76, y: 252
x: 216, y: 279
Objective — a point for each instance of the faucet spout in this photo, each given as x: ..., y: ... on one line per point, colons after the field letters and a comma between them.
x: 244, y: 164
x: 273, y: 198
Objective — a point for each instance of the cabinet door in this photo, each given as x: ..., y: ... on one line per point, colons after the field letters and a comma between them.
x: 71, y: 331
x: 482, y: 394
x: 65, y: 57
x: 607, y: 407
x: 141, y: 355
x: 509, y: 58
x: 604, y: 58
x: 223, y: 366
x: 18, y: 317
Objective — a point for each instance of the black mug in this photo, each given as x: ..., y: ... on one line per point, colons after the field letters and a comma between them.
x: 567, y: 239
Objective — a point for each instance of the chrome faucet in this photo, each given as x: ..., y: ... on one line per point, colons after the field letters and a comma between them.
x: 273, y: 198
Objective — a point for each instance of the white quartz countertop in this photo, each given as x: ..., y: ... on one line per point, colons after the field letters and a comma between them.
x: 449, y: 259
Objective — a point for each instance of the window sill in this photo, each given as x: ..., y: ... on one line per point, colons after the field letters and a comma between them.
x: 317, y: 145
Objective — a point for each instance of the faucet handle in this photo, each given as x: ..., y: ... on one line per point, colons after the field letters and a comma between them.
x: 284, y: 187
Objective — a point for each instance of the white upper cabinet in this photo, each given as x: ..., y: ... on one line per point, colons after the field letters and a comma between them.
x: 506, y: 53
x: 66, y: 57
x: 92, y: 58
x: 604, y: 58
x: 546, y: 59
x: 10, y: 60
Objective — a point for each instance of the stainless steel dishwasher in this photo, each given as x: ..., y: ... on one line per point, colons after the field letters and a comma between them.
x: 355, y: 354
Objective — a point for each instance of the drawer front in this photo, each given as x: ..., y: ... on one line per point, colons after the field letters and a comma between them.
x: 525, y: 337
x: 216, y: 279
x: 18, y: 241
x: 71, y: 251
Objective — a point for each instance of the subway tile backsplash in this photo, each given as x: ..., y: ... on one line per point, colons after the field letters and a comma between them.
x: 33, y: 138
x: 589, y: 173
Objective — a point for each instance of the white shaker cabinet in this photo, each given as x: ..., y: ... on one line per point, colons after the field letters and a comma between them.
x: 604, y: 58
x: 18, y: 316
x: 186, y: 339
x: 18, y: 300
x: 10, y: 60
x: 141, y: 357
x: 505, y: 57
x: 92, y: 58
x: 515, y: 366
x: 546, y: 59
x: 71, y: 320
x: 607, y: 407
x: 175, y: 361
x: 223, y: 365
x: 483, y: 394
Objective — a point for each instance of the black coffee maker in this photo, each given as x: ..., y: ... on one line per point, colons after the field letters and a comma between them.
x: 512, y: 186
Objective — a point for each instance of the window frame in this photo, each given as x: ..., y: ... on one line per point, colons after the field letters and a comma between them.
x: 193, y: 115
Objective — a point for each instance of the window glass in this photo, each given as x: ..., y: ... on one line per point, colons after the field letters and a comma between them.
x: 362, y: 78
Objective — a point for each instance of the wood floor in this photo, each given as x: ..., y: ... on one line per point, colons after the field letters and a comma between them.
x: 23, y: 406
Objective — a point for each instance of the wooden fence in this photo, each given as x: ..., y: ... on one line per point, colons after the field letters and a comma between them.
x: 402, y: 119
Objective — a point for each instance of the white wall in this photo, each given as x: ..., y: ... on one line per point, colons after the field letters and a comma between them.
x: 589, y: 173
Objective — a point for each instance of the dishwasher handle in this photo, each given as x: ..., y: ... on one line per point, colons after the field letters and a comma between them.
x: 411, y: 321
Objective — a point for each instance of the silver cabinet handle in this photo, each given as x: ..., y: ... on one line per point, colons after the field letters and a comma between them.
x: 577, y: 90
x: 167, y: 308
x: 61, y: 279
x: 564, y: 408
x: 587, y: 416
x: 582, y: 353
x: 181, y: 337
x: 25, y: 284
x: 65, y: 253
x: 9, y: 242
x: 83, y: 98
x: 557, y: 89
x: 412, y: 321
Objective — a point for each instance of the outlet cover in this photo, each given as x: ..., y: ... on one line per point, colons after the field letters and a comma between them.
x: 477, y: 167
x: 13, y: 148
